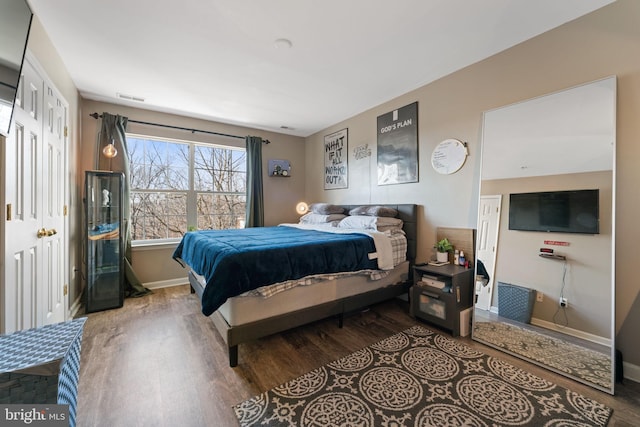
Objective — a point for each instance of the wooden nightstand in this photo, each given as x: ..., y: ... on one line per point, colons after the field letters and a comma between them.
x: 440, y: 293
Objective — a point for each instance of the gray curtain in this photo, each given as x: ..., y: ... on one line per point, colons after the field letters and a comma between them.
x: 255, y: 199
x: 113, y: 130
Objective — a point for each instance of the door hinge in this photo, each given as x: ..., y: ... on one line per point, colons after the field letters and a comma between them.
x: 64, y: 210
x: 66, y: 289
x: 8, y: 211
x: 66, y: 131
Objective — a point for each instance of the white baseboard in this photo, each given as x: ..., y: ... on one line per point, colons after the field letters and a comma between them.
x: 631, y: 372
x: 166, y: 283
x: 75, y: 307
x: 571, y: 332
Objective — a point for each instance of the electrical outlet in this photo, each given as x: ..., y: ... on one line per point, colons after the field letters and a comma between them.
x: 563, y: 302
x: 539, y: 296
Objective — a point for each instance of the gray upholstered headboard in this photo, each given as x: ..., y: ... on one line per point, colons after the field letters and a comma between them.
x: 408, y: 213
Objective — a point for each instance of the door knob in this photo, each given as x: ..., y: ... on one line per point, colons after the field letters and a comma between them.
x: 43, y: 232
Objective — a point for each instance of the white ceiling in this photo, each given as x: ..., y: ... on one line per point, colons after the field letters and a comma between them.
x: 218, y: 60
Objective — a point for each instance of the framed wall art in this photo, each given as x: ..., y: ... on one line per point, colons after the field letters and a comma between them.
x: 279, y: 168
x: 336, y: 155
x: 398, y: 146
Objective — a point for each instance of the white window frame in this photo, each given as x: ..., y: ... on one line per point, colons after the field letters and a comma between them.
x: 192, y: 194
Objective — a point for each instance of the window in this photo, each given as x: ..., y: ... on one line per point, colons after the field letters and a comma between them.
x: 177, y: 186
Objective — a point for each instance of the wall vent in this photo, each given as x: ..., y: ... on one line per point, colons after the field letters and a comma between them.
x: 129, y: 97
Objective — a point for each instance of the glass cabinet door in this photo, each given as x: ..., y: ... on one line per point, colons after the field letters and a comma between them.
x: 104, y: 241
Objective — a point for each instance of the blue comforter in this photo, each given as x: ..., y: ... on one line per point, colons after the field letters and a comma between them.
x: 236, y: 261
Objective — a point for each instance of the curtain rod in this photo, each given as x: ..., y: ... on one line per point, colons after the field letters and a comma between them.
x: 97, y: 116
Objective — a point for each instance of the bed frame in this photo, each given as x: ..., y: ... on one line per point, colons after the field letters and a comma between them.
x: 235, y: 335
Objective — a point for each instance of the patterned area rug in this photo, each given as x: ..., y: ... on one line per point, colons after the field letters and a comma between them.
x: 589, y: 365
x: 420, y: 378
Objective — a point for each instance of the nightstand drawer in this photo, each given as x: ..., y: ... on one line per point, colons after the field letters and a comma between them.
x: 432, y: 305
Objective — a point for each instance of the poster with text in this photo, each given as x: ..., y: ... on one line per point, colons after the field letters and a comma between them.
x: 398, y: 146
x: 336, y: 154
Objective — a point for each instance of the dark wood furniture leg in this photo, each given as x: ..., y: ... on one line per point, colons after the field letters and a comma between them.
x: 233, y: 356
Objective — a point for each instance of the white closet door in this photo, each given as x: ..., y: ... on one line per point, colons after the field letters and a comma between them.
x: 488, y: 226
x: 53, y: 307
x: 34, y: 254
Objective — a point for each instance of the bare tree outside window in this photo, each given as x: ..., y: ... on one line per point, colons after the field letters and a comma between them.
x: 177, y: 186
x: 220, y: 177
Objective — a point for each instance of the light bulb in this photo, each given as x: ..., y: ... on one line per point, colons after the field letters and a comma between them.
x: 110, y: 151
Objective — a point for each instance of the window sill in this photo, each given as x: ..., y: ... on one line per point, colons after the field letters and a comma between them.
x: 145, y: 245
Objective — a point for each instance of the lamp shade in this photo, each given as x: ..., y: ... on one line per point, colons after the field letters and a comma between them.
x: 302, y: 208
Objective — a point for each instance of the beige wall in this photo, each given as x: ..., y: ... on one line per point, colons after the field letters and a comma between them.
x: 600, y: 44
x: 587, y: 283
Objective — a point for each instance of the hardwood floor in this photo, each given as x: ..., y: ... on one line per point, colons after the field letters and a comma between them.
x: 159, y: 362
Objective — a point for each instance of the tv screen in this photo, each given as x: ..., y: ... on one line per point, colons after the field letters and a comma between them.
x: 575, y: 211
x: 15, y: 23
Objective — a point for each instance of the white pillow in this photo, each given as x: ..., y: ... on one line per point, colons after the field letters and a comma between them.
x: 365, y: 222
x: 314, y: 218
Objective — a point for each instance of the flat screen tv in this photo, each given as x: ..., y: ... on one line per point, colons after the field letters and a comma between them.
x: 574, y: 211
x: 15, y: 23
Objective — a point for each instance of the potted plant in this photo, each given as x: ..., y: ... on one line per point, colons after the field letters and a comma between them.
x: 443, y: 247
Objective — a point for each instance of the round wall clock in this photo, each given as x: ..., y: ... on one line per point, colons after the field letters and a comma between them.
x: 449, y: 156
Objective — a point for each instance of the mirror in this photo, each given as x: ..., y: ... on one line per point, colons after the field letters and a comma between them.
x: 557, y: 143
x: 15, y: 22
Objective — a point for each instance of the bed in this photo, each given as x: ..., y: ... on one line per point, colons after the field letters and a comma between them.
x: 253, y: 306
